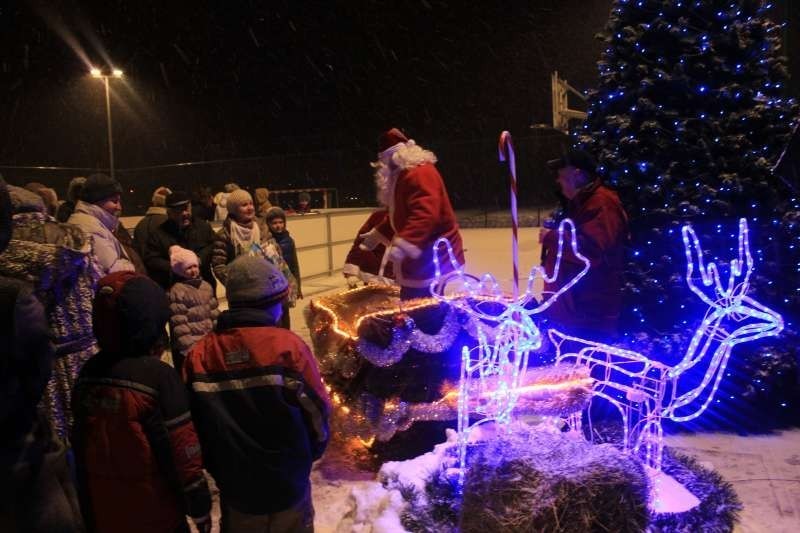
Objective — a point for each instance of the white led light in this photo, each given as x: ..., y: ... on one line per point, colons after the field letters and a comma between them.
x: 655, y: 390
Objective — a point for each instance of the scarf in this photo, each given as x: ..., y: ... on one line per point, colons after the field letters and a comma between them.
x: 244, y: 238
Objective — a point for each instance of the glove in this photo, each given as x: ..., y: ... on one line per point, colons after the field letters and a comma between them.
x: 352, y: 281
x: 203, y: 523
x: 372, y: 238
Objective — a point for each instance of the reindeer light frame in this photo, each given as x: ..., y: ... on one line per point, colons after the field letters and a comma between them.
x: 649, y: 391
x: 492, y: 372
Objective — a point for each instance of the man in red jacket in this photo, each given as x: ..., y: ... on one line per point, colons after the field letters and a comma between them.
x: 419, y: 213
x: 260, y: 405
x: 593, y: 305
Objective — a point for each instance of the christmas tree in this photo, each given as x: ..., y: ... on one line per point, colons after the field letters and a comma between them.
x: 687, y: 122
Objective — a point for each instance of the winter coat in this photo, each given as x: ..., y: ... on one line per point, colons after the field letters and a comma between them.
x: 198, y: 237
x: 419, y: 213
x: 37, y: 493
x: 593, y: 304
x: 65, y: 210
x: 261, y: 201
x: 225, y: 251
x: 27, y: 355
x: 136, y: 450
x: 154, y: 217
x: 125, y: 239
x: 55, y: 259
x: 366, y: 264
x: 100, y: 225
x: 193, y: 313
x: 289, y: 253
x: 221, y: 203
x: 257, y: 393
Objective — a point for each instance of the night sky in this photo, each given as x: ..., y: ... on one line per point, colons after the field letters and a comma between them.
x: 244, y: 79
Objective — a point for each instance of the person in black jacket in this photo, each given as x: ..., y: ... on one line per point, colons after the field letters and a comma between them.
x: 275, y: 218
x: 155, y: 216
x: 186, y: 231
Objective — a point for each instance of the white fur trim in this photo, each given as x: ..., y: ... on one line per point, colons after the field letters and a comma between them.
x: 389, y: 151
x: 373, y: 238
x: 409, y: 249
x: 373, y: 279
x: 396, y: 255
x: 349, y: 269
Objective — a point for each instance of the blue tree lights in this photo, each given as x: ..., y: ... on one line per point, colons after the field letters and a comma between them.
x: 687, y: 121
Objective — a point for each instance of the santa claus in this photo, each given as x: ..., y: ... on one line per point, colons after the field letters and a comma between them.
x: 419, y: 213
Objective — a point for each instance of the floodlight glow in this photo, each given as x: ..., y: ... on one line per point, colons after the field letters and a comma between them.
x: 95, y: 72
x: 117, y: 73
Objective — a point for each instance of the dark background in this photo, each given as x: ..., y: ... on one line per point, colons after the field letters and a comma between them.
x: 294, y: 93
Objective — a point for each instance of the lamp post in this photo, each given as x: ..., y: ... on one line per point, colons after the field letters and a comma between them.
x: 115, y: 73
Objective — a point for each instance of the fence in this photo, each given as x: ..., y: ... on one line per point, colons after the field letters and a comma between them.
x: 474, y: 177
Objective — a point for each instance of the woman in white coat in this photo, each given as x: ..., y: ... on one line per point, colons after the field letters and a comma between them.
x: 97, y: 214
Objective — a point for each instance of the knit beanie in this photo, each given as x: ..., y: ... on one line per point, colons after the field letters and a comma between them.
x: 98, y: 187
x: 273, y: 213
x: 254, y: 282
x: 160, y: 197
x: 180, y: 259
x: 236, y: 199
x: 129, y: 313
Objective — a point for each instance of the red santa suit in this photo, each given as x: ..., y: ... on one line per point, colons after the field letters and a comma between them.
x: 366, y: 264
x: 419, y: 213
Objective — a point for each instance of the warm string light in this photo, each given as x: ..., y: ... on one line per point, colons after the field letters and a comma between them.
x: 732, y: 318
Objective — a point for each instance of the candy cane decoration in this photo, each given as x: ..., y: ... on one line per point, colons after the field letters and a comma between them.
x: 505, y: 148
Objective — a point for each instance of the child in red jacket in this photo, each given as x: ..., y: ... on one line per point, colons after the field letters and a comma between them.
x: 260, y: 405
x: 137, y: 453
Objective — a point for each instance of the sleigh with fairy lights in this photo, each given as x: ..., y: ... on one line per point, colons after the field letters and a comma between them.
x: 389, y: 363
x: 460, y: 356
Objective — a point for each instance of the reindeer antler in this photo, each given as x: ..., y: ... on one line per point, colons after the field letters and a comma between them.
x: 740, y: 267
x: 540, y: 271
x: 486, y: 286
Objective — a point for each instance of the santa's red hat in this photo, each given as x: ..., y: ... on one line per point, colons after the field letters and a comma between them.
x: 390, y: 141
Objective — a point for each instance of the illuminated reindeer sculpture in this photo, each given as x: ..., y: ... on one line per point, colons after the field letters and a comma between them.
x: 645, y: 391
x: 493, y: 373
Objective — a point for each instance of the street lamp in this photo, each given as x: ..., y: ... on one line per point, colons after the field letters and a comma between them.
x: 115, y: 73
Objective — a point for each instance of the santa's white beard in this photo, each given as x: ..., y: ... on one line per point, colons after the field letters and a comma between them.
x: 384, y: 183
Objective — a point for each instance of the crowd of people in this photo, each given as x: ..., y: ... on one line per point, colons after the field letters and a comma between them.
x: 90, y: 404
x: 100, y: 433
